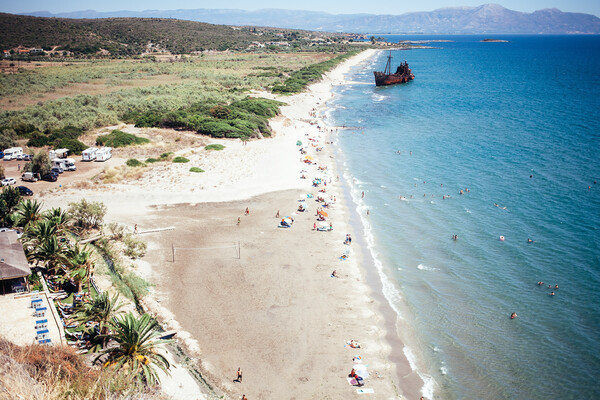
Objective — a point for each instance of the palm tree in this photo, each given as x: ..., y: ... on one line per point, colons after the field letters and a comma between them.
x: 51, y: 252
x: 80, y: 265
x: 101, y: 308
x: 136, y: 350
x: 59, y: 218
x: 29, y: 211
x: 38, y: 233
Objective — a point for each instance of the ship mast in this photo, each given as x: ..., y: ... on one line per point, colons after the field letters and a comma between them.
x: 388, y: 66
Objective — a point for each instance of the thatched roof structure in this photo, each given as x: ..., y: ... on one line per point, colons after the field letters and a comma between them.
x: 13, y: 263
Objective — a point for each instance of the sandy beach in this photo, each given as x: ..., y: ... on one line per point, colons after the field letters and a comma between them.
x: 251, y: 295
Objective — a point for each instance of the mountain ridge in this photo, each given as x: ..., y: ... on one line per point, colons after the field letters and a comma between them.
x: 483, y: 19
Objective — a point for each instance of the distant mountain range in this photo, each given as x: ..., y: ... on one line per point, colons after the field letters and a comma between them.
x: 485, y: 19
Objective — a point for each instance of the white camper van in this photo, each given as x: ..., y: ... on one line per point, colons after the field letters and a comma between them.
x: 58, y: 153
x: 104, y: 154
x: 70, y: 164
x: 89, y: 154
x: 12, y: 153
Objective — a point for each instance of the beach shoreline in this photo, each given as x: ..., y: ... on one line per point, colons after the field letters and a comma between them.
x: 272, y: 309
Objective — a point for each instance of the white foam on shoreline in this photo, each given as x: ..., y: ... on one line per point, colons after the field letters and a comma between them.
x: 389, y: 288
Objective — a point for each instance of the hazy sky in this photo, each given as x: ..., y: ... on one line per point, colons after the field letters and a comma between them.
x: 331, y: 6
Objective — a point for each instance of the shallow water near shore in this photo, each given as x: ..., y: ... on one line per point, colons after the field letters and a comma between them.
x: 518, y: 125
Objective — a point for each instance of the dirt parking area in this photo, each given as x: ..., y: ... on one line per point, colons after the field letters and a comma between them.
x: 85, y: 172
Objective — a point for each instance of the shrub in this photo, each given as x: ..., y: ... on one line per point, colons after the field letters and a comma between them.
x: 132, y: 162
x: 214, y: 147
x: 134, y: 248
x: 152, y: 160
x: 196, y: 169
x: 74, y: 145
x: 87, y: 215
x: 118, y: 138
x: 180, y: 160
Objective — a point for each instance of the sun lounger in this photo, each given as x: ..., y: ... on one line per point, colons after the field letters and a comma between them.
x: 35, y: 303
x: 45, y: 341
x: 41, y: 324
x: 42, y: 334
x: 40, y: 312
x: 72, y: 325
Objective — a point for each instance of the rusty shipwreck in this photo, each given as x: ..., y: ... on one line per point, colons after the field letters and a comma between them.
x: 403, y: 74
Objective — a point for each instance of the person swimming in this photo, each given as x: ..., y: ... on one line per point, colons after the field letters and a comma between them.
x: 529, y: 240
x: 513, y: 315
x: 502, y: 238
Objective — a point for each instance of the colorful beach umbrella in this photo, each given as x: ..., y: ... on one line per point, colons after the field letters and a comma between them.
x: 323, y: 213
x: 361, y: 370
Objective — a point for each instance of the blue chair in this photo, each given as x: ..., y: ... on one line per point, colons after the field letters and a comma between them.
x: 41, y: 324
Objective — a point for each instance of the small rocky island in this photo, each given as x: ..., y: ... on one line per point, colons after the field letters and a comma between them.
x: 495, y: 40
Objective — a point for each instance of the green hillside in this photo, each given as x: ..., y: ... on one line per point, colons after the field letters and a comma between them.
x: 123, y: 36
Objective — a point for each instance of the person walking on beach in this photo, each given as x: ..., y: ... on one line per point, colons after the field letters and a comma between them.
x: 239, y: 221
x: 239, y: 375
x: 277, y: 215
x: 244, y: 397
x: 247, y: 212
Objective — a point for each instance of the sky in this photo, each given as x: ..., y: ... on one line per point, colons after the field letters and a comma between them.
x: 332, y: 6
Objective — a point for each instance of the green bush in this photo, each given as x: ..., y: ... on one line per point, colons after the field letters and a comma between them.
x: 134, y: 248
x: 152, y: 160
x: 132, y: 162
x: 214, y: 147
x: 180, y: 160
x: 74, y: 145
x: 298, y: 80
x: 196, y: 169
x: 118, y: 138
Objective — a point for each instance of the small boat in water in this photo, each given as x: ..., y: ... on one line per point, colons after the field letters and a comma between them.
x: 403, y: 74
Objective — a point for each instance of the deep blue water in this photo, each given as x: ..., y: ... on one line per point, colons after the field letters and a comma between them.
x: 518, y: 124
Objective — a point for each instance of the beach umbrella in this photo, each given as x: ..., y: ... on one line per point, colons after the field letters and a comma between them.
x: 309, y: 158
x: 361, y: 370
x: 299, y: 143
x: 323, y: 213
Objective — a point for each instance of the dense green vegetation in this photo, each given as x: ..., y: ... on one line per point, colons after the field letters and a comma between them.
x: 180, y: 160
x: 119, y: 138
x: 133, y: 162
x: 122, y: 36
x: 241, y: 119
x: 298, y: 80
x: 217, y: 147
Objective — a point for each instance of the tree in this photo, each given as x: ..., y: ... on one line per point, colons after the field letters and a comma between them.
x: 136, y: 351
x: 101, y: 308
x: 80, y: 265
x: 9, y: 199
x: 60, y: 219
x: 87, y: 215
x: 372, y: 38
x: 41, y: 163
x: 28, y: 211
x: 2, y: 176
x: 51, y: 252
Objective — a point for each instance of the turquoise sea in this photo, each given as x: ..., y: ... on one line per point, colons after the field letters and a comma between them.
x: 518, y: 125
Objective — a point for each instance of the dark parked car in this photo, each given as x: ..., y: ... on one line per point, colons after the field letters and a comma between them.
x: 50, y: 177
x: 25, y: 191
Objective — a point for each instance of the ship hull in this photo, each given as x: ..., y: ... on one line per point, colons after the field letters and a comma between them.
x: 382, y: 79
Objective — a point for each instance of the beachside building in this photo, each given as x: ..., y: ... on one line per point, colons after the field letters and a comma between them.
x: 14, y: 267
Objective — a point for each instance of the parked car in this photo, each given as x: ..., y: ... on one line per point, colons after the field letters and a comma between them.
x: 25, y: 191
x: 57, y: 170
x: 30, y: 176
x: 50, y: 177
x: 1, y: 154
x: 27, y: 157
x: 8, y: 181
